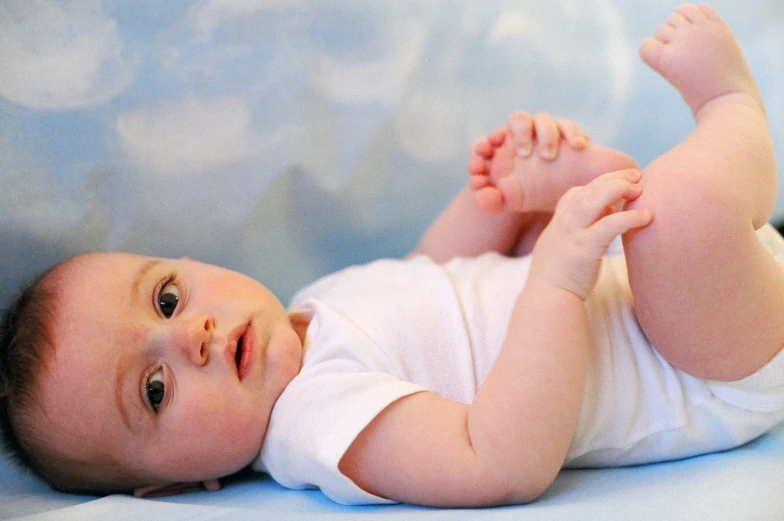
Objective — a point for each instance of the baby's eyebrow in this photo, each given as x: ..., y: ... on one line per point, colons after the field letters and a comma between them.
x: 119, y: 394
x: 140, y: 274
x: 123, y: 362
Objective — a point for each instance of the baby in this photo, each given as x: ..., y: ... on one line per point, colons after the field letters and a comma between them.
x: 511, y: 344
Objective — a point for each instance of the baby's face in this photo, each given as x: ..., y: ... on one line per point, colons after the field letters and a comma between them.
x: 166, y: 368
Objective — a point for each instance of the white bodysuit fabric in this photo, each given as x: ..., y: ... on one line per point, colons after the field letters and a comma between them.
x: 391, y: 328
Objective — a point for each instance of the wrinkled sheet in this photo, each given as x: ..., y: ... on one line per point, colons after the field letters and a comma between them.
x: 744, y: 484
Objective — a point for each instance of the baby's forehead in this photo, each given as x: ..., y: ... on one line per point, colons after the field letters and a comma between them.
x: 90, y: 286
x: 107, y: 258
x: 94, y: 266
x: 91, y: 318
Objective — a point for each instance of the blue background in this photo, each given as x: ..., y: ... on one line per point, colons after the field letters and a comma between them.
x: 287, y: 139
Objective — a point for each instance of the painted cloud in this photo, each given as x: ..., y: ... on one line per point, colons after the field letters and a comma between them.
x: 57, y: 55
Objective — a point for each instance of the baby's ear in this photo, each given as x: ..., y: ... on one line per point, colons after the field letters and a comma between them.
x: 173, y: 489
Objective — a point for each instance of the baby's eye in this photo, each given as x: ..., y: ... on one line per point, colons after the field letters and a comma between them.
x: 168, y: 298
x: 156, y: 389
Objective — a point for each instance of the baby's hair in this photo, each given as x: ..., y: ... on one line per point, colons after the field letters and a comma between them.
x: 24, y: 343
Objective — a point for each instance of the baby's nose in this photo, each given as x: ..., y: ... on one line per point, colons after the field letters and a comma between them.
x: 193, y: 336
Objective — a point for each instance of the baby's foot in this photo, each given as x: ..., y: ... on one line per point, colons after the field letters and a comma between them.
x: 522, y: 168
x: 697, y: 53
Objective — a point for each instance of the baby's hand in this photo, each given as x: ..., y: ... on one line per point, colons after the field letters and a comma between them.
x: 586, y: 219
x: 544, y: 133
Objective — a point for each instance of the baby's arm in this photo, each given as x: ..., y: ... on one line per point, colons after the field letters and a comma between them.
x: 509, y: 444
x: 464, y: 230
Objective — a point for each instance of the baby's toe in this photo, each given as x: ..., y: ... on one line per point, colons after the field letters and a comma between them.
x: 477, y: 167
x: 482, y: 148
x: 497, y: 138
x: 692, y: 13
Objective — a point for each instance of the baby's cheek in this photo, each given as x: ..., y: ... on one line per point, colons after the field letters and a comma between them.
x: 133, y: 336
x: 214, y: 417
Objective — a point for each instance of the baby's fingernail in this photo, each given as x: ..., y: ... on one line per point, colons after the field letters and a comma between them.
x: 524, y: 150
x: 548, y: 152
x: 517, y: 127
x: 580, y: 142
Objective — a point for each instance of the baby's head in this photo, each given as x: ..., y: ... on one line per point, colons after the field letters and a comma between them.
x: 120, y: 372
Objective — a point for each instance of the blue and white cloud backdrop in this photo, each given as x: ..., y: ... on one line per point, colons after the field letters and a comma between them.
x: 289, y: 138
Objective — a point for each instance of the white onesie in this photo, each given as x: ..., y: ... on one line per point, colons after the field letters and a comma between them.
x: 392, y: 328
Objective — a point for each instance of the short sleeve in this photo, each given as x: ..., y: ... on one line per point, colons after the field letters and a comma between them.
x: 345, y: 382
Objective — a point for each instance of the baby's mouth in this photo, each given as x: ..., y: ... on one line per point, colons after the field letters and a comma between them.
x: 238, y: 353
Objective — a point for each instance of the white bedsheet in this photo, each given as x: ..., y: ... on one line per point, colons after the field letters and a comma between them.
x: 740, y: 485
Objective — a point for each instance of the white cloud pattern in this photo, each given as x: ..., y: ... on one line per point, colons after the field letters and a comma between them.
x: 56, y: 55
x: 322, y: 132
x: 188, y: 136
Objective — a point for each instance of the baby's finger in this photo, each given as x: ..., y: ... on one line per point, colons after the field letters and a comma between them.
x: 548, y: 136
x: 607, y: 228
x: 631, y: 175
x: 574, y: 136
x: 590, y: 202
x: 628, y: 175
x: 521, y: 128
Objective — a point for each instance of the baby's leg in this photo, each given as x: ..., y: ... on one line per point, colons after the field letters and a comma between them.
x: 707, y: 294
x: 513, y: 170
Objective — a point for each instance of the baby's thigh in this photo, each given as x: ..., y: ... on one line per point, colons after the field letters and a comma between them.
x: 709, y: 297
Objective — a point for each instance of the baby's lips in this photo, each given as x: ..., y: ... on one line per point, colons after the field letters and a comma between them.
x: 232, y: 345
